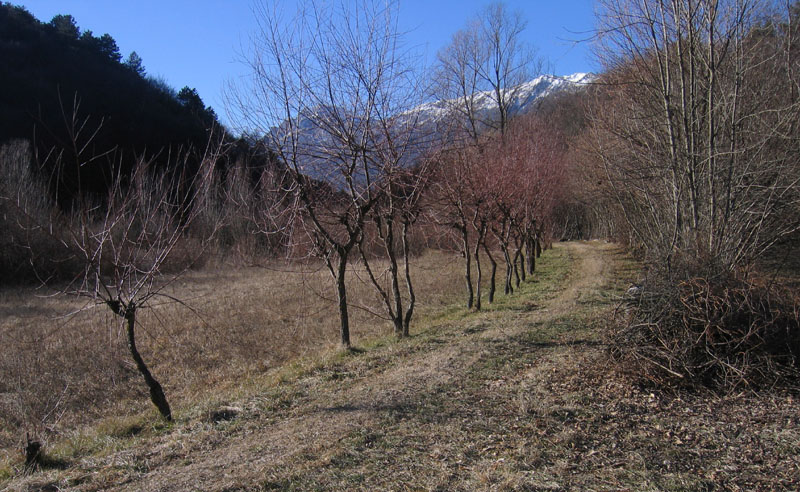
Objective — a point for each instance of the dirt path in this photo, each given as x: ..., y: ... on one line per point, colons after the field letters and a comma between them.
x: 522, y: 396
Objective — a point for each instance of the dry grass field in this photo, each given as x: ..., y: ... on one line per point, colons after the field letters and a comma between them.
x: 522, y: 396
x: 65, y: 364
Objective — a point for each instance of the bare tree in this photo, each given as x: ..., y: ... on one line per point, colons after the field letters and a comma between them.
x: 486, y: 63
x: 696, y: 139
x: 395, y: 213
x: 451, y: 205
x: 330, y: 91
x: 121, y: 244
x: 126, y: 242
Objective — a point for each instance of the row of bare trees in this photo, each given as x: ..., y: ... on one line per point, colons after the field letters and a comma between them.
x: 332, y: 91
x: 350, y: 170
x: 500, y: 194
x: 334, y: 96
x: 497, y: 175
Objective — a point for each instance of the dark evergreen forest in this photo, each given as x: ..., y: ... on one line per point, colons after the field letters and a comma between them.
x: 71, y: 94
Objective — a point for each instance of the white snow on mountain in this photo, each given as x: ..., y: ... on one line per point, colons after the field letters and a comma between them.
x: 523, y: 97
x: 429, y: 118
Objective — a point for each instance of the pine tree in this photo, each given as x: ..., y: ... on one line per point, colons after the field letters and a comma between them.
x: 134, y: 62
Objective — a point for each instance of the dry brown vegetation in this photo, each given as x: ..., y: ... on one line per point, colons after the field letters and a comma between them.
x: 689, y: 155
x: 518, y: 397
x: 64, y: 370
x: 726, y: 333
x: 690, y: 139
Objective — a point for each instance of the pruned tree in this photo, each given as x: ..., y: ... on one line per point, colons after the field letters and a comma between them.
x: 330, y: 88
x: 541, y: 151
x: 523, y: 183
x: 394, y: 215
x: 126, y: 241
x: 451, y: 205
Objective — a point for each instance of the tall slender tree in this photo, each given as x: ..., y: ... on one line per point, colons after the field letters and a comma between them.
x: 695, y: 140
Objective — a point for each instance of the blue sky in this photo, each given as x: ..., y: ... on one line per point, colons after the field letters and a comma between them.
x: 199, y: 42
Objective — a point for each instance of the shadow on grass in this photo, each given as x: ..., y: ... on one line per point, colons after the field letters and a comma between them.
x: 395, y: 408
x: 569, y: 343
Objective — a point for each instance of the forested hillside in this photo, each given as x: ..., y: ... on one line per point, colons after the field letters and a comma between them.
x: 70, y: 92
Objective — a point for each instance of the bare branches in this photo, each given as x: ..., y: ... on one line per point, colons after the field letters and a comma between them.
x: 486, y: 61
x: 333, y: 88
x: 700, y: 160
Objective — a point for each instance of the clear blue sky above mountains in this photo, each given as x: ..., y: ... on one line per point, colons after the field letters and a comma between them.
x: 199, y: 43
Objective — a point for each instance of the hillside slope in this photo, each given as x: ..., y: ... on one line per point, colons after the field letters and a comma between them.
x: 426, y: 123
x: 519, y: 397
x: 69, y: 93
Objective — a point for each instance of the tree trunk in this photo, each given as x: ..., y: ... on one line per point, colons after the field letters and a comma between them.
x: 156, y: 392
x: 411, y: 297
x: 397, y: 315
x: 530, y: 249
x: 341, y: 294
x: 532, y: 257
x: 480, y: 274
x: 508, y: 289
x: 394, y: 305
x: 32, y: 452
x: 519, y: 256
x: 397, y: 322
x: 468, y: 265
x: 492, y: 287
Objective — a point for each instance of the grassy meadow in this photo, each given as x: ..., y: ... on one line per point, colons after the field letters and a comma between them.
x: 521, y: 396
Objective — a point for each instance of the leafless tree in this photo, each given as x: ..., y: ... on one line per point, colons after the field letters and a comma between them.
x: 126, y: 243
x: 395, y: 213
x: 484, y: 65
x: 697, y: 140
x: 331, y: 89
x: 121, y: 245
x: 451, y: 202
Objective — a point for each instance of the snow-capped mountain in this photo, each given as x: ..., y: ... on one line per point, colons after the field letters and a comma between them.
x: 523, y: 98
x: 315, y: 128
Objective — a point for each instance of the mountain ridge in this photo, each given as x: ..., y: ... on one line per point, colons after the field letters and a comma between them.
x: 525, y: 94
x: 432, y: 120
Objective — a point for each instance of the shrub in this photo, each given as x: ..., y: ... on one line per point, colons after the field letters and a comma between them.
x: 727, y: 333
x: 28, y: 249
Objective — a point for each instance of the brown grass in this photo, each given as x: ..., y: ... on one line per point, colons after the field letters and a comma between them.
x: 522, y: 396
x: 63, y: 371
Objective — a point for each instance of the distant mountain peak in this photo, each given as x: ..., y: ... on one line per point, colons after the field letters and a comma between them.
x: 430, y: 117
x: 522, y: 95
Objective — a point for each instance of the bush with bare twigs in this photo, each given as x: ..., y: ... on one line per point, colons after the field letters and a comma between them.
x: 726, y: 334
x: 695, y: 135
x: 27, y: 248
